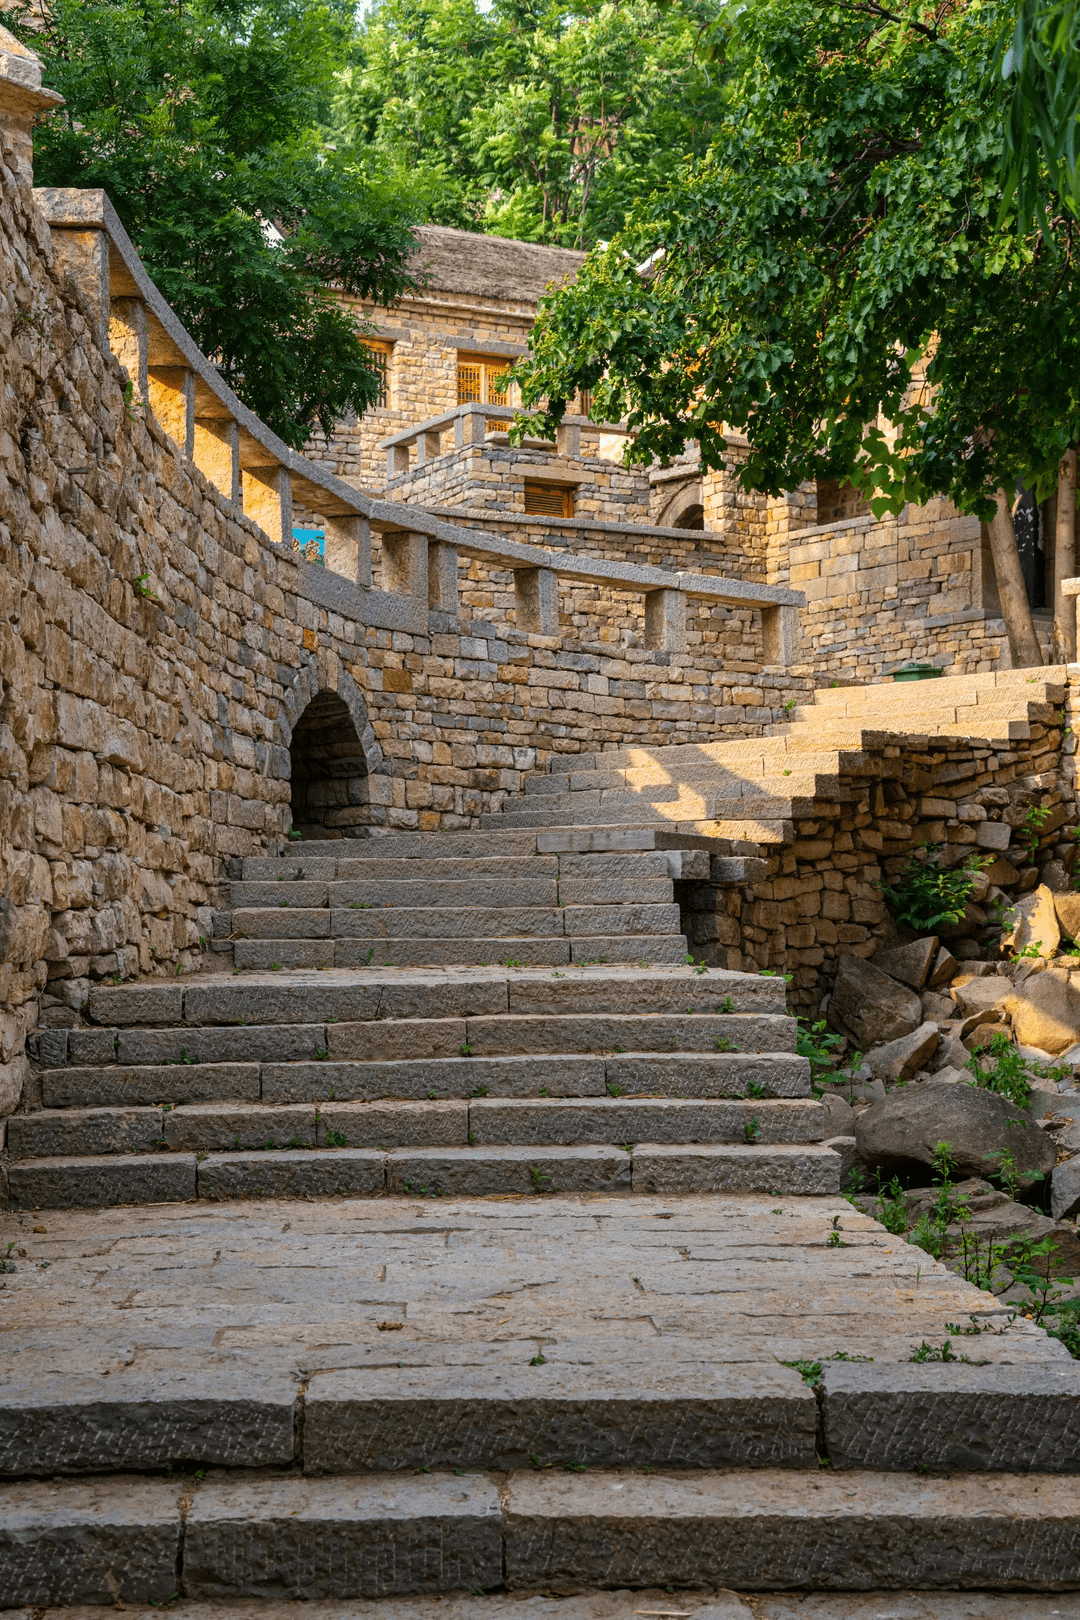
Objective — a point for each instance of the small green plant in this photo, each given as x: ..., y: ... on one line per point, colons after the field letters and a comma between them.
x: 936, y: 1352
x: 722, y: 1044
x: 752, y: 1129
x: 359, y: 905
x: 293, y: 834
x: 144, y: 590
x: 613, y: 1089
x: 542, y: 1180
x: 819, y: 1045
x: 465, y: 1049
x: 976, y: 1327
x: 539, y: 1360
x: 185, y: 1056
x: 727, y: 1005
x: 336, y: 1139
x: 890, y: 1209
x: 931, y: 1231
x: 928, y: 894
x: 999, y: 1066
x: 480, y: 1091
x: 754, y: 1088
x: 320, y: 1053
x: 809, y: 1371
x: 1035, y: 818
x: 791, y: 703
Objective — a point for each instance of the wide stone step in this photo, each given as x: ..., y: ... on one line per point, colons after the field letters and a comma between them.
x: 306, y: 999
x: 360, y: 860
x: 342, y: 1537
x: 617, y: 885
x: 383, y: 1039
x: 420, y: 1172
x: 371, y: 950
x: 633, y: 808
x: 672, y: 1074
x: 225, y: 1126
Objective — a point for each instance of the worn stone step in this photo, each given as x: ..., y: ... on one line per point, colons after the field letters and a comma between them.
x: 561, y: 1075
x: 341, y: 1537
x: 466, y: 892
x: 313, y: 999
x: 362, y: 862
x: 641, y: 808
x: 86, y: 1087
x: 58, y: 1132
x: 779, y: 1529
x: 551, y: 1415
x: 370, y: 951
x: 623, y: 1120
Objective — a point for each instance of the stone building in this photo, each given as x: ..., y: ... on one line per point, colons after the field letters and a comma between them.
x: 878, y: 593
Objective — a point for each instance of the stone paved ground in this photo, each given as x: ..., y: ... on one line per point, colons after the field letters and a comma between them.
x: 598, y: 1280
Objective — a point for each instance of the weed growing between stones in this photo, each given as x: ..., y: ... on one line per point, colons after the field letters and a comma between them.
x: 819, y: 1044
x: 1000, y: 1066
x: 928, y: 894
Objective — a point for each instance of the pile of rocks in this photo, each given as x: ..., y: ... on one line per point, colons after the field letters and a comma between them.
x: 913, y: 1018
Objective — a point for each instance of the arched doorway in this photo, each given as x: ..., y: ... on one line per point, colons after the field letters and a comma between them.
x: 329, y: 771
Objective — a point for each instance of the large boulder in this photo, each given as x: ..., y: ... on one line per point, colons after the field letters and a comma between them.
x: 1034, y: 924
x: 1045, y: 1011
x: 1067, y: 907
x: 979, y: 1126
x: 910, y: 964
x: 869, y: 1007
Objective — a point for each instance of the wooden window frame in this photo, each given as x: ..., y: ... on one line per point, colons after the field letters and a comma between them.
x: 542, y: 496
x: 384, y: 349
x: 490, y: 369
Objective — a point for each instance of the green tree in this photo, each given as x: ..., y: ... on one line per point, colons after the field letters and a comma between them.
x: 537, y: 120
x: 842, y: 279
x: 200, y: 119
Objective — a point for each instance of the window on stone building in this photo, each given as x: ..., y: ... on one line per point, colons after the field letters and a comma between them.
x: 380, y: 353
x: 584, y: 402
x: 837, y: 500
x: 482, y: 381
x: 549, y: 500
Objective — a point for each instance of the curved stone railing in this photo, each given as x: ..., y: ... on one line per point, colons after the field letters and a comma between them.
x: 254, y: 469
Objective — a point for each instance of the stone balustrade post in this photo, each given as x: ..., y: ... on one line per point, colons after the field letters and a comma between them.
x: 215, y: 450
x: 347, y: 549
x: 267, y: 497
x: 470, y: 427
x: 428, y: 446
x: 780, y: 635
x: 405, y: 564
x: 536, y: 600
x: 568, y: 440
x: 397, y: 460
x: 665, y: 620
x: 171, y: 392
x: 442, y: 577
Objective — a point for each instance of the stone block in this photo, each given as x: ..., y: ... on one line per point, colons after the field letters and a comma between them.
x: 803, y: 1171
x: 136, y: 1004
x: 216, y: 1127
x: 622, y: 1120
x: 259, y: 1043
x: 690, y: 1074
x: 292, y: 1173
x: 1005, y: 1418
x: 59, y: 1132
x: 393, y: 1124
x: 208, y: 1411
x: 343, y: 1538
x: 149, y: 1084
x: 70, y: 1183
x: 478, y: 1172
x: 910, y: 964
x: 98, y: 1542
x: 642, y: 1413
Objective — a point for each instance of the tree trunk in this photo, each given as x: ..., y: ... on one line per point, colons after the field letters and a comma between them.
x: 1065, y: 560
x: 1015, y: 608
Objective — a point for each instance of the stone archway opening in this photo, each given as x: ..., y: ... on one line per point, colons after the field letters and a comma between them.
x: 329, y: 771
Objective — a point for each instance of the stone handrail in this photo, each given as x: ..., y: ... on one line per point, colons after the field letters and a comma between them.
x: 471, y: 424
x: 257, y: 471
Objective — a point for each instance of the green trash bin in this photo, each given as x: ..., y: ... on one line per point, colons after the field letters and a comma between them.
x: 917, y: 672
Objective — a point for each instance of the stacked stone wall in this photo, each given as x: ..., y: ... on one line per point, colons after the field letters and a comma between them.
x: 819, y: 895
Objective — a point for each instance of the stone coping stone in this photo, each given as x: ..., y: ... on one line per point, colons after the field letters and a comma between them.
x: 208, y: 1410
x: 777, y: 1528
x: 645, y: 1414
x: 953, y: 1416
x: 95, y: 1541
x: 336, y: 1538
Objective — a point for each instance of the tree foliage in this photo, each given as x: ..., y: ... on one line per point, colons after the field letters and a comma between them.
x: 537, y: 120
x: 200, y: 119
x: 843, y: 278
x: 1039, y: 62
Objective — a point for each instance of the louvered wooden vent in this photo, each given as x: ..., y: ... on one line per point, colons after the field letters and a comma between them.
x: 549, y: 500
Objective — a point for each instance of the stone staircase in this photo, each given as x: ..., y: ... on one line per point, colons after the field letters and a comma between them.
x: 422, y: 1083
x: 750, y: 792
x: 427, y: 899
x: 458, y: 1235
